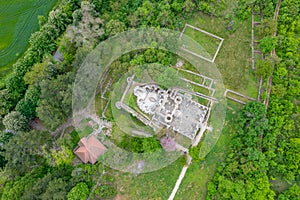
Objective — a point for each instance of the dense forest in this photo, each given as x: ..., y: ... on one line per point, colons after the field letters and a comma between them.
x: 34, y: 165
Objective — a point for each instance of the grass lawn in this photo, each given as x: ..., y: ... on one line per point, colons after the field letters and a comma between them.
x: 18, y: 20
x: 155, y: 185
x: 208, y: 42
x: 198, y: 174
x: 234, y: 58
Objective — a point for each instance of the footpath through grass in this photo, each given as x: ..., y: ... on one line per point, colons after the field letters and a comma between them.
x: 18, y: 20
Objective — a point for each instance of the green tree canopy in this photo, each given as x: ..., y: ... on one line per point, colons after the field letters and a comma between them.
x: 4, y: 139
x: 293, y: 193
x: 79, y: 192
x: 15, y: 121
x: 25, y: 151
x: 267, y: 44
x: 264, y: 68
x: 114, y: 26
x: 55, y: 102
x: 267, y: 27
x: 168, y: 78
x: 26, y: 108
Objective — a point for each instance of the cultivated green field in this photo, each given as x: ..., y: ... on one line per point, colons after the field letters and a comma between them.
x: 18, y: 19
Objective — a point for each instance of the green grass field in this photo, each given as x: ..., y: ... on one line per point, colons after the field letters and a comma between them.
x: 234, y: 58
x: 155, y: 185
x: 208, y: 42
x: 18, y: 20
x: 195, y: 181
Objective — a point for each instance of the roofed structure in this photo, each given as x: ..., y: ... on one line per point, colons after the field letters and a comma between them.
x: 90, y: 149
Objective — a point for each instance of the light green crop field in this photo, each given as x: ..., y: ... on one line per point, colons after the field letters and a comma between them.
x: 18, y: 20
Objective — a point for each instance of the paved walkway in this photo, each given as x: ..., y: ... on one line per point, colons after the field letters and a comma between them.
x: 180, y: 178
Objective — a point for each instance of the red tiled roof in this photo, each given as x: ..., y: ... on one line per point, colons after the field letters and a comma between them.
x: 90, y: 148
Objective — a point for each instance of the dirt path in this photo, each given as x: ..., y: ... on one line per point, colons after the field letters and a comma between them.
x: 62, y: 127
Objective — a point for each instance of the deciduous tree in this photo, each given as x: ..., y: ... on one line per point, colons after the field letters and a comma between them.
x: 15, y: 121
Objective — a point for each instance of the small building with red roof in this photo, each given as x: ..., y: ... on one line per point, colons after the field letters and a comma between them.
x: 90, y: 149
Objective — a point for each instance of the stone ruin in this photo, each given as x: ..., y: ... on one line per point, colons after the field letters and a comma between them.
x: 172, y: 109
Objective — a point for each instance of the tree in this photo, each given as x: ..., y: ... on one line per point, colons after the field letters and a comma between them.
x: 33, y: 94
x: 55, y: 100
x: 168, y: 78
x: 42, y: 20
x: 264, y: 68
x: 292, y: 157
x: 43, y: 185
x: 56, y: 189
x: 61, y: 157
x: 279, y: 90
x: 15, y: 121
x: 267, y: 44
x: 36, y: 74
x: 177, y: 6
x: 26, y: 108
x: 6, y: 102
x: 88, y: 30
x: 15, y: 85
x: 195, y: 153
x: 113, y: 27
x: 79, y: 192
x: 267, y: 27
x: 105, y: 191
x: 293, y: 193
x: 25, y: 151
x: 189, y: 6
x: 168, y: 143
x: 150, y: 144
x: 4, y: 139
x: 15, y: 189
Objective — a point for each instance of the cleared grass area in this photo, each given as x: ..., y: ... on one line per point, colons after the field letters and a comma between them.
x: 194, y: 184
x: 154, y: 185
x: 234, y: 58
x: 240, y: 98
x: 18, y: 20
x: 209, y: 43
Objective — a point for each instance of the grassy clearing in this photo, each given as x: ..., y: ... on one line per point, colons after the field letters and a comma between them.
x: 234, y: 58
x: 208, y: 42
x: 232, y: 95
x: 154, y: 185
x: 18, y: 19
x: 193, y: 185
